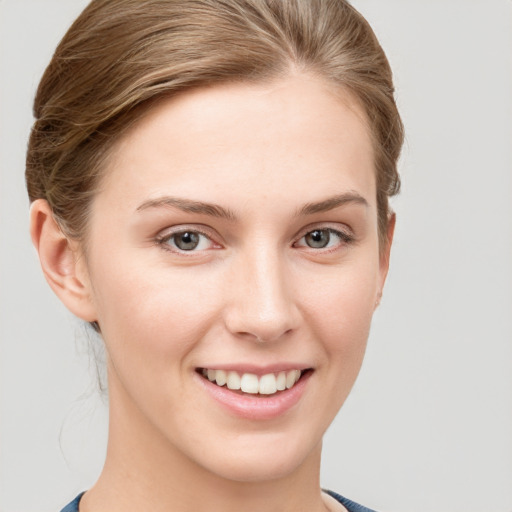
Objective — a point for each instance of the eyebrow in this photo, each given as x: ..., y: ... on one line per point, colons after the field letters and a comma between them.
x: 333, y: 202
x: 215, y: 210
x: 189, y: 206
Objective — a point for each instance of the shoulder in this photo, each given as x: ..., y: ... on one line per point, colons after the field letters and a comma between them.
x: 73, y: 506
x: 348, y: 504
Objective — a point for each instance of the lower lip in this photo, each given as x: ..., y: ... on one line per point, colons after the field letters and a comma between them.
x: 257, y: 407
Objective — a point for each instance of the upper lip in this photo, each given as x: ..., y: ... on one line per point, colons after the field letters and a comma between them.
x: 257, y: 369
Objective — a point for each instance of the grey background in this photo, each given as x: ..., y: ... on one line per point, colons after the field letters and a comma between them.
x: 429, y: 424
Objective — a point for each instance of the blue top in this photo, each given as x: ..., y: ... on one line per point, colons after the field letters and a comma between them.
x: 349, y: 505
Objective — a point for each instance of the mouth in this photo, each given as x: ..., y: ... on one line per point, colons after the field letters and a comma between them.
x: 269, y: 384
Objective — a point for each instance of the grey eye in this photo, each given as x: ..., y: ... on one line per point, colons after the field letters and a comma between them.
x: 186, y: 240
x: 318, y: 239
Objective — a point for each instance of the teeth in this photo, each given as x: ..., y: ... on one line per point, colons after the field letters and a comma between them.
x: 233, y: 381
x: 221, y: 377
x: 281, y: 381
x: 250, y: 383
x: 291, y: 378
x: 268, y: 384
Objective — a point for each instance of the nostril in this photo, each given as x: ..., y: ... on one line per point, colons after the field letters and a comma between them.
x: 264, y: 335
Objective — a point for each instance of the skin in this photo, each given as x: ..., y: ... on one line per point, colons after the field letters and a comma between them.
x: 253, y: 292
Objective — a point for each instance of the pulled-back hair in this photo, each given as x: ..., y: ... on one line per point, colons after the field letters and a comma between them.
x: 120, y: 56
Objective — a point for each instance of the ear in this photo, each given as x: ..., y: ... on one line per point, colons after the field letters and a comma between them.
x: 384, y: 255
x: 62, y: 263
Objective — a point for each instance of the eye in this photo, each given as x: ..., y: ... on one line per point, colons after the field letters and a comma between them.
x: 325, y: 238
x: 186, y: 240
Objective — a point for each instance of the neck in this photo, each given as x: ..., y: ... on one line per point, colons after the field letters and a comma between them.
x: 144, y: 471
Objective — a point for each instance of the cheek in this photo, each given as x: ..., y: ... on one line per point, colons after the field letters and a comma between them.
x: 340, y: 310
x: 341, y: 303
x: 162, y: 313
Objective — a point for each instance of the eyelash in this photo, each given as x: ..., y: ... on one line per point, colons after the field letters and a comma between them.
x: 344, y: 239
x: 163, y: 240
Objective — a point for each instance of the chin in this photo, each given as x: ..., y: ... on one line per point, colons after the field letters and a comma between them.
x: 257, y: 461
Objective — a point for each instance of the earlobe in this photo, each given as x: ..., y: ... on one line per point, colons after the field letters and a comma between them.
x: 60, y: 260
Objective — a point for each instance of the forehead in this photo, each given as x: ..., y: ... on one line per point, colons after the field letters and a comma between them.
x: 293, y: 134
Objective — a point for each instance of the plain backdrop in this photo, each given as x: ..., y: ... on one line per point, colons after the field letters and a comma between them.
x: 428, y: 427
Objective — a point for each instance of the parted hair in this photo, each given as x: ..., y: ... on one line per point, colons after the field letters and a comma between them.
x: 121, y: 56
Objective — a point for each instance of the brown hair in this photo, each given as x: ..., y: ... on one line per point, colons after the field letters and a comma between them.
x: 120, y: 56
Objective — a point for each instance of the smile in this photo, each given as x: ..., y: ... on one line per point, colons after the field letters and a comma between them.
x: 267, y: 384
x: 255, y: 395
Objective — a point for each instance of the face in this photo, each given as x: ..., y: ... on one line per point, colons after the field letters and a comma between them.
x: 234, y: 243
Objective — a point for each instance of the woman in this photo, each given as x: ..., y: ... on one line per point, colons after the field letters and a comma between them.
x: 209, y: 184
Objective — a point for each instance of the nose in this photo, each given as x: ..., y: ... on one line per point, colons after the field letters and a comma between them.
x: 262, y: 305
